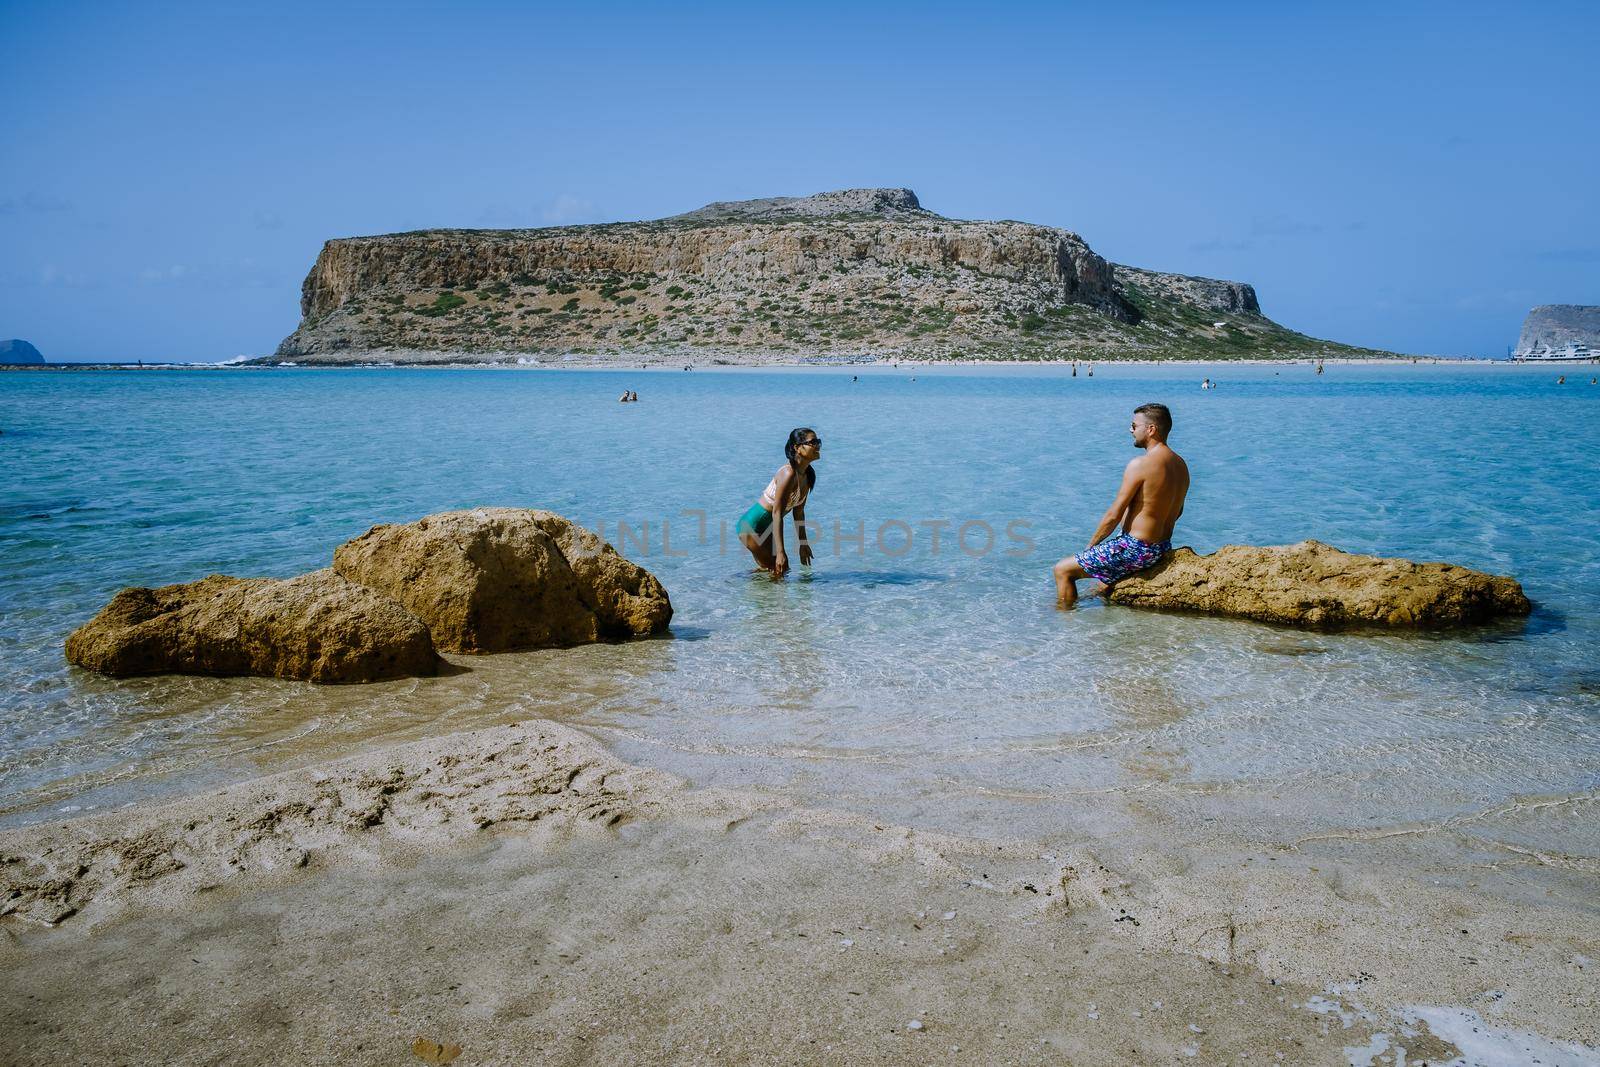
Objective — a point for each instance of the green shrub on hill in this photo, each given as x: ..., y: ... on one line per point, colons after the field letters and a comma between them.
x: 446, y: 302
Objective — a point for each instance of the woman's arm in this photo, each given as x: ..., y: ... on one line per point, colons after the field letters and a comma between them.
x: 800, y: 532
x: 780, y: 560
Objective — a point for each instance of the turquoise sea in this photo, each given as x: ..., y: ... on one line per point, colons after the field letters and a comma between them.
x: 938, y: 686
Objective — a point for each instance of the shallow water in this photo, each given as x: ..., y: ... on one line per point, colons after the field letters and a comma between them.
x: 940, y: 687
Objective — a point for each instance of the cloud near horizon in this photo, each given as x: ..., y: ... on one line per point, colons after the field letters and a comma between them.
x: 1570, y: 255
x: 567, y: 208
x: 34, y: 203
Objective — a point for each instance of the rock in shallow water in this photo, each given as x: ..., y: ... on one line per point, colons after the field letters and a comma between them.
x: 317, y: 627
x: 487, y: 580
x: 1316, y: 586
x: 496, y: 579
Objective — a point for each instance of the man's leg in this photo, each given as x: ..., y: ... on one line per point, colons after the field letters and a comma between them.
x: 1067, y: 573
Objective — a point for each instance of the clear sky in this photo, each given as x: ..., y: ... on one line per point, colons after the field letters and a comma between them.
x: 1412, y: 177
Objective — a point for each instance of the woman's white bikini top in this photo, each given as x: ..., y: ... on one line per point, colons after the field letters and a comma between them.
x: 797, y: 496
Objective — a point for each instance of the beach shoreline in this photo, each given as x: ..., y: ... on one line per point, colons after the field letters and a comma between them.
x: 656, y: 363
x: 579, y: 905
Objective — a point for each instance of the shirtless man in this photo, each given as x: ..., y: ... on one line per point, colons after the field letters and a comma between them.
x: 1147, y: 506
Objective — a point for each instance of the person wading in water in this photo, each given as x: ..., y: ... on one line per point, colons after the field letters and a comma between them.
x: 761, y: 528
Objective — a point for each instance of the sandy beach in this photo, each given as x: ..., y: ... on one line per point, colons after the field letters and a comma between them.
x: 520, y: 893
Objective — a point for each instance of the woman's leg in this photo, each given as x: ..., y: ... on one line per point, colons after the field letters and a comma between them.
x: 760, y: 548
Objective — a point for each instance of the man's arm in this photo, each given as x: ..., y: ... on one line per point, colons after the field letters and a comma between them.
x: 1132, y: 479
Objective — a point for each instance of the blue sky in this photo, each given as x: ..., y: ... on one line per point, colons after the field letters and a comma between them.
x: 1413, y: 177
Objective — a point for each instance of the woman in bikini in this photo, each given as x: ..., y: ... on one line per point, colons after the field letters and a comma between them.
x: 787, y: 492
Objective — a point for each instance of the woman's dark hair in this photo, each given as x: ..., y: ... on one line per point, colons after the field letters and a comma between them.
x: 798, y: 436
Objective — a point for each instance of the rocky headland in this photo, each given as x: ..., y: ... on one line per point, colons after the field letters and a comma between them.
x: 17, y: 352
x: 1557, y: 329
x: 851, y: 274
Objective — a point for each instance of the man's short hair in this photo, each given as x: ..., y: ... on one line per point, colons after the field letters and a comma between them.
x: 1158, y: 415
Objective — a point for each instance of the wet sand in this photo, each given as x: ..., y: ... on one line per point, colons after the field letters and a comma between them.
x: 520, y: 893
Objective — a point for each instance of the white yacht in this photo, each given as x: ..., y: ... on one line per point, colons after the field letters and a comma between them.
x: 1574, y: 352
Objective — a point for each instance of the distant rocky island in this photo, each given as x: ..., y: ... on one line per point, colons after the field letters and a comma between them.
x: 17, y: 351
x: 1560, y: 331
x: 852, y: 274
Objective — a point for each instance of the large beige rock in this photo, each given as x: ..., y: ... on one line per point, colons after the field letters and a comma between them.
x: 494, y: 579
x: 628, y: 601
x: 1315, y: 585
x: 318, y: 627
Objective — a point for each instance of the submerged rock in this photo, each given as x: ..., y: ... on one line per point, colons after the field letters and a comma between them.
x: 317, y: 627
x: 496, y: 579
x: 1316, y: 586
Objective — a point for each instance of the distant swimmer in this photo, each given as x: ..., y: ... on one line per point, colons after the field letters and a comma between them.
x: 787, y: 492
x: 1206, y: 384
x: 1561, y: 380
x: 623, y: 399
x: 1319, y: 366
x: 1147, y: 506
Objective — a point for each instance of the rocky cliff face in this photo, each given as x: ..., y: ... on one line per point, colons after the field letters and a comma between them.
x: 858, y: 272
x: 1210, y: 294
x: 1550, y: 329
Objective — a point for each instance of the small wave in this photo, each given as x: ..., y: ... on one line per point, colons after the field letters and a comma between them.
x: 871, y: 579
x: 42, y: 510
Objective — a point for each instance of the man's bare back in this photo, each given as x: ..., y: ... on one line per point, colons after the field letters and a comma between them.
x: 1161, y: 482
x: 1147, y: 507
